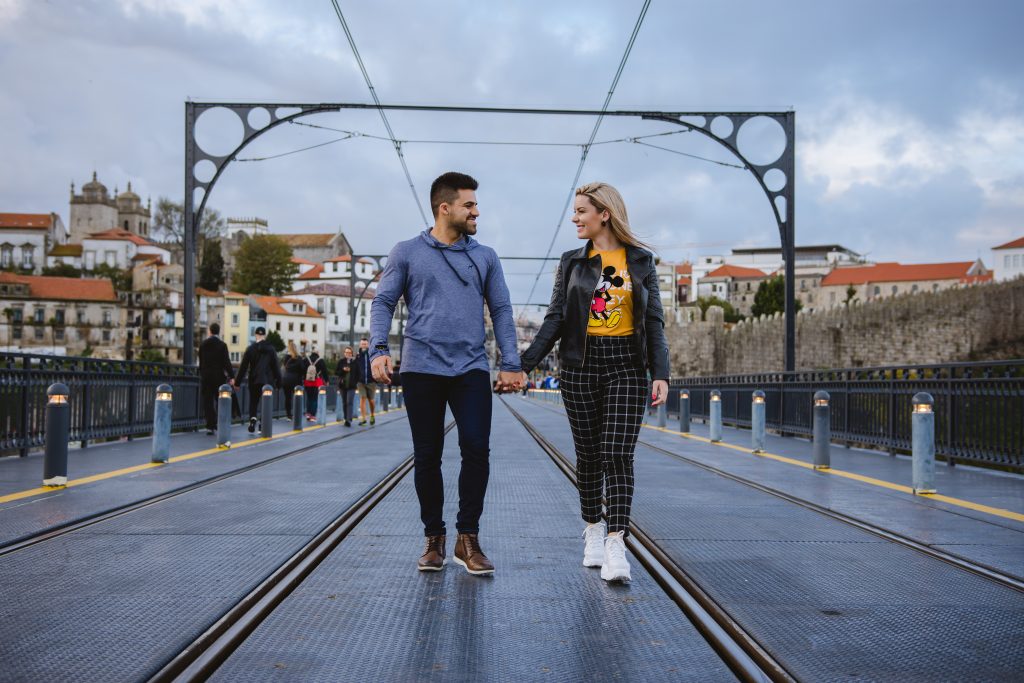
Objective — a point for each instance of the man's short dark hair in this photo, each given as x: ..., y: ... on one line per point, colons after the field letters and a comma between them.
x: 445, y: 188
x: 214, y: 328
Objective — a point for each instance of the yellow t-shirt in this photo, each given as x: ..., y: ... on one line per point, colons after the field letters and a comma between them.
x: 611, y: 311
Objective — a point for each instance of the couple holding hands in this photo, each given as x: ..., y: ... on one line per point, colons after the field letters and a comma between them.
x: 606, y: 311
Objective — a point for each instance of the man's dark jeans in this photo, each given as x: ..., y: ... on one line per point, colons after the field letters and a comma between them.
x: 469, y: 396
x: 208, y: 391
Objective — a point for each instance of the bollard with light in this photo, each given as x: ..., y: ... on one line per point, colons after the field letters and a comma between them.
x: 298, y: 400
x: 58, y: 423
x: 162, y: 412
x: 716, y: 416
x: 923, y: 444
x: 267, y: 412
x: 399, y: 399
x: 684, y: 411
x: 321, y: 406
x: 822, y: 430
x: 757, y: 422
x: 224, y: 416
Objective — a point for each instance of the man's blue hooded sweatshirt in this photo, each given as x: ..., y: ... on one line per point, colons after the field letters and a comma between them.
x: 445, y: 287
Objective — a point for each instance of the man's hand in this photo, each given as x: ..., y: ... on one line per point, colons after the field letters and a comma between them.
x: 659, y: 392
x: 381, y: 367
x: 231, y: 381
x: 510, y: 381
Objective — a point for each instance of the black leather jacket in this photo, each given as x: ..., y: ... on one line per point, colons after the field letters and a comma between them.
x: 569, y: 312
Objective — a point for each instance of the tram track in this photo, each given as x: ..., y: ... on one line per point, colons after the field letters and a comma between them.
x: 972, y: 566
x: 56, y: 531
x: 204, y: 655
x: 737, y: 648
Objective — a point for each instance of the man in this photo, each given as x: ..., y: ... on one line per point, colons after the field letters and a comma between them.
x: 445, y: 277
x: 259, y: 365
x: 214, y: 370
x: 365, y: 387
x: 347, y: 383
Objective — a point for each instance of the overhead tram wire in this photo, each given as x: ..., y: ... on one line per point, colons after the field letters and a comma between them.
x: 593, y: 135
x: 383, y: 116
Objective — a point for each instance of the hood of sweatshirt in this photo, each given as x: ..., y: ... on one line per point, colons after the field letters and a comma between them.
x: 463, y: 247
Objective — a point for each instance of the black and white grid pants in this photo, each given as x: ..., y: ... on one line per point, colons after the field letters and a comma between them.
x: 605, y: 400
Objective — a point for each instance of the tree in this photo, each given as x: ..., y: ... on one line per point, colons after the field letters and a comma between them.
x: 771, y: 297
x: 264, y: 265
x: 151, y: 356
x: 211, y: 270
x: 169, y: 224
x: 275, y: 340
x: 122, y: 279
x: 731, y: 316
x: 62, y: 270
x: 851, y: 294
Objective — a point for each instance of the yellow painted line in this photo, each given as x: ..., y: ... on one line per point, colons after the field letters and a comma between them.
x: 28, y: 493
x: 978, y: 507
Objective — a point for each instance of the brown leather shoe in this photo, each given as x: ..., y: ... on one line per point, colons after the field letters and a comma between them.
x: 469, y: 555
x: 432, y: 559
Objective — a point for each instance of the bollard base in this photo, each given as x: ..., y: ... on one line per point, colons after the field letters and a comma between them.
x: 822, y: 467
x: 925, y: 492
x: 224, y: 446
x: 56, y: 482
x: 757, y: 451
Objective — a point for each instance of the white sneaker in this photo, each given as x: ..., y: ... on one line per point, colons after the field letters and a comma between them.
x: 616, y: 566
x: 593, y: 549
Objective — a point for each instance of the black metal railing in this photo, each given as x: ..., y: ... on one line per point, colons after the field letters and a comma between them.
x: 979, y: 407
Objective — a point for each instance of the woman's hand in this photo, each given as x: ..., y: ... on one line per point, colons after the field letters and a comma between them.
x: 659, y: 392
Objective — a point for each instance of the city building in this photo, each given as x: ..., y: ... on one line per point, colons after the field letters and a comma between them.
x: 95, y: 210
x: 317, y: 247
x: 870, y: 282
x: 292, y: 318
x: 235, y: 329
x: 59, y: 315
x: 332, y: 300
x: 117, y: 248
x: 735, y: 284
x: 154, y: 309
x: 684, y: 283
x: 1008, y: 260
x: 26, y: 238
x: 666, y: 285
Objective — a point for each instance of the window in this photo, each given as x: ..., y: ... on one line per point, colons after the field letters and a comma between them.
x: 1016, y: 260
x: 39, y: 313
x: 277, y: 326
x: 90, y: 260
x: 111, y: 258
x: 1006, y: 261
x: 234, y: 319
x: 16, y: 315
x: 335, y: 320
x: 6, y: 255
x: 106, y: 335
x: 27, y: 260
x: 58, y: 334
x: 314, y: 327
x: 877, y: 290
x: 320, y: 305
x: 126, y: 225
x: 235, y: 357
x: 913, y: 288
x: 831, y: 297
x: 106, y: 317
x: 38, y: 332
x: 935, y: 287
x: 291, y: 327
x: 334, y: 308
x: 17, y: 333
x: 59, y: 316
x: 302, y: 327
x: 234, y: 339
x: 80, y: 316
x: 895, y: 289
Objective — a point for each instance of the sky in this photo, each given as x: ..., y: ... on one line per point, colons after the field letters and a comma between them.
x: 909, y: 116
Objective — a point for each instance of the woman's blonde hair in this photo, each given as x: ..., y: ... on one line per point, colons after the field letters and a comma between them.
x: 292, y: 351
x: 604, y: 197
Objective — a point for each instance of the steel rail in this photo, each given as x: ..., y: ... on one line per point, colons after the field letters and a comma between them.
x: 201, y: 658
x: 58, y: 530
x: 737, y: 648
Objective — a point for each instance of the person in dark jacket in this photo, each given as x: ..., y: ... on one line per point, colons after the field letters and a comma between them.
x: 259, y: 366
x: 365, y: 386
x: 606, y: 309
x: 294, y: 367
x: 214, y: 370
x: 347, y: 383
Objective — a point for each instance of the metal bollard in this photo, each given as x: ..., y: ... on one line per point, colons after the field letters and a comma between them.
x: 923, y: 448
x: 386, y: 399
x: 822, y: 430
x: 399, y: 399
x: 662, y: 415
x: 162, y: 411
x: 267, y: 412
x: 298, y: 406
x: 684, y: 411
x: 224, y: 416
x: 757, y: 422
x: 58, y: 422
x: 716, y: 416
x: 339, y: 407
x: 321, y: 406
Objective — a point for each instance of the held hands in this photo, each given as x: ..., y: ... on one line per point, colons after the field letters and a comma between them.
x: 659, y: 392
x: 382, y: 368
x: 510, y: 381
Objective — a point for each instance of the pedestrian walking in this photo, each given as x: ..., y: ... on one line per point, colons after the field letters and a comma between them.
x: 347, y: 383
x: 259, y: 366
x: 445, y: 278
x: 606, y: 310
x: 316, y: 377
x: 365, y: 386
x: 214, y: 370
x: 293, y: 372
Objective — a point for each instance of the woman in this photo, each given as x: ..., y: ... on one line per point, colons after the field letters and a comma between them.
x: 606, y: 309
x: 292, y: 371
x: 316, y: 377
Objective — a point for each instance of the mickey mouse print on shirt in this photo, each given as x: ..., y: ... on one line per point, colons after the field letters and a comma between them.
x: 611, y: 311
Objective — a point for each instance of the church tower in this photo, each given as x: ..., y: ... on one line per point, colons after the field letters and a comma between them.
x: 130, y: 214
x: 92, y: 211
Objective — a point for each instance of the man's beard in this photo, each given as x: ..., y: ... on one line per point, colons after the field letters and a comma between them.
x: 464, y: 228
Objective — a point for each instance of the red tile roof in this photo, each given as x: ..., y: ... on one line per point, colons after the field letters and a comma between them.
x: 318, y: 239
x: 302, y: 261
x: 684, y: 269
x: 64, y: 288
x: 272, y: 305
x: 121, y: 234
x: 339, y: 259
x: 683, y: 280
x: 737, y: 272
x: 899, y: 272
x: 1015, y: 244
x: 313, y: 273
x: 34, y: 221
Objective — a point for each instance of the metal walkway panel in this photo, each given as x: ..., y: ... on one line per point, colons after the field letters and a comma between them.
x: 829, y: 601
x: 117, y: 599
x: 367, y: 614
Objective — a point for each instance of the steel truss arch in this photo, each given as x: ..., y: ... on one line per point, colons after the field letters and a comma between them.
x: 194, y: 154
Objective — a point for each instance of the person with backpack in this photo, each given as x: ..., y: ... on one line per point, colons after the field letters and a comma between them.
x: 294, y: 367
x: 259, y: 366
x: 316, y: 377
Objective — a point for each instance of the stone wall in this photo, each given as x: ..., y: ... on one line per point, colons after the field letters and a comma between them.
x: 982, y: 322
